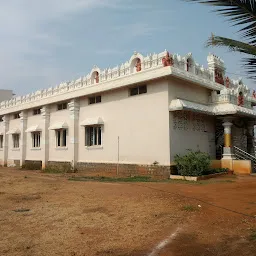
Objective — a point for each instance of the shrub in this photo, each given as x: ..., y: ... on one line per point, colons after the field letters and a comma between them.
x: 174, y: 170
x: 253, y: 235
x: 189, y: 208
x: 193, y: 163
x: 217, y: 170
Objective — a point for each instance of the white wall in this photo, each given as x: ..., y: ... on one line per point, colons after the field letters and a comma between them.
x: 179, y: 89
x: 33, y: 153
x: 192, y: 135
x: 140, y: 121
x: 58, y: 154
x: 189, y: 134
x: 13, y: 153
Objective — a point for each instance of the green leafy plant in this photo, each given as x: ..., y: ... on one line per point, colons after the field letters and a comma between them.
x: 155, y: 163
x: 193, y: 163
x: 217, y: 170
x: 189, y: 208
x: 253, y: 235
x: 174, y: 170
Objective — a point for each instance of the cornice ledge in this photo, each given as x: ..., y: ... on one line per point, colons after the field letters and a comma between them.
x: 196, y: 79
x: 120, y: 82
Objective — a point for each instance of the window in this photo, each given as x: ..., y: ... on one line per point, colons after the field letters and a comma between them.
x: 36, y: 111
x: 1, y: 119
x: 1, y: 141
x: 16, y: 140
x: 138, y: 90
x: 95, y: 99
x: 16, y: 116
x: 36, y: 137
x: 62, y: 106
x: 93, y: 136
x: 61, y: 138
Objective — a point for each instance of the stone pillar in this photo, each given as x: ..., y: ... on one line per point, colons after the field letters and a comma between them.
x: 74, y: 108
x: 250, y: 138
x: 227, y: 150
x: 45, y: 113
x: 6, y: 139
x: 23, y: 137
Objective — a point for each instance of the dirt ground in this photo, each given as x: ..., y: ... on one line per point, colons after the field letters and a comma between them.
x: 47, y: 214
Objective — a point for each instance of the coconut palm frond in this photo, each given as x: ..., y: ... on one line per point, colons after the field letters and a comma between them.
x: 250, y: 65
x: 239, y: 12
x: 236, y: 46
x: 232, y: 45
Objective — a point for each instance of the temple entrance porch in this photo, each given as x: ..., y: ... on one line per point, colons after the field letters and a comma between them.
x: 227, y: 138
x: 235, y: 146
x: 234, y: 132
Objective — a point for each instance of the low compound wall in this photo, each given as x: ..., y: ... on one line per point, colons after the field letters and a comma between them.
x: 123, y: 170
x: 129, y: 170
x: 32, y: 165
x: 242, y: 166
x: 238, y: 166
x: 103, y: 169
x: 53, y: 166
x: 216, y: 164
x: 13, y: 163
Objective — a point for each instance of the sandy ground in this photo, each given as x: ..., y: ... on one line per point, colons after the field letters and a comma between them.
x: 91, y: 218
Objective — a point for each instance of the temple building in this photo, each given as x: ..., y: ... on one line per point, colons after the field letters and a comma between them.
x: 132, y: 117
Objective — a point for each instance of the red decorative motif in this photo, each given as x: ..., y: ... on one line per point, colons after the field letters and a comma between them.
x: 240, y: 99
x: 138, y: 65
x: 219, y: 77
x: 97, y: 77
x: 167, y: 60
x: 254, y: 94
x: 227, y: 82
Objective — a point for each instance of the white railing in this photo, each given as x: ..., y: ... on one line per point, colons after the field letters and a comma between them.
x: 228, y: 98
x: 243, y: 155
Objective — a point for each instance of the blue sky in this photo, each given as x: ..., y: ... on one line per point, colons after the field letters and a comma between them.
x: 44, y: 43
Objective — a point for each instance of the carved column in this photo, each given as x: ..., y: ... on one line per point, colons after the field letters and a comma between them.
x: 250, y: 138
x: 74, y: 108
x: 23, y: 137
x: 45, y: 113
x: 6, y: 139
x: 227, y: 150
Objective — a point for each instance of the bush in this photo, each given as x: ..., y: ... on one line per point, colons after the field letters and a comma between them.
x: 217, y: 170
x: 193, y: 163
x: 174, y: 170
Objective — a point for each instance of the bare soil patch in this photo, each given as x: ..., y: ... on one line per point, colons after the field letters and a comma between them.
x: 95, y: 218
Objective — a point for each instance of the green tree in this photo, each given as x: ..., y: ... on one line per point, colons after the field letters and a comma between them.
x: 241, y: 13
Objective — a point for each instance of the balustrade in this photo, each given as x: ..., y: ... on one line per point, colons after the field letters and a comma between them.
x: 151, y: 61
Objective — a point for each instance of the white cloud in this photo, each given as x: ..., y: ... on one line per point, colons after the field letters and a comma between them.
x: 29, y: 42
x: 24, y: 38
